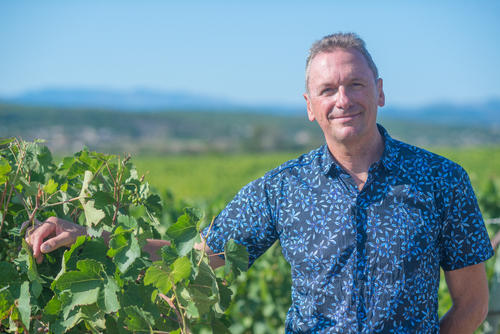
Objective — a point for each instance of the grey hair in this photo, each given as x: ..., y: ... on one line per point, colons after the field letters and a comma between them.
x: 339, y: 41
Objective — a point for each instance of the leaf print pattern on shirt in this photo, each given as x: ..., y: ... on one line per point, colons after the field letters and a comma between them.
x: 362, y: 261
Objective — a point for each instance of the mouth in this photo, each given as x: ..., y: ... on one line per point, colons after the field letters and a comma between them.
x: 341, y: 117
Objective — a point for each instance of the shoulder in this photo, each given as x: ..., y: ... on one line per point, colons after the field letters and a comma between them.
x: 305, y: 166
x: 428, y: 166
x: 434, y: 177
x: 302, y: 166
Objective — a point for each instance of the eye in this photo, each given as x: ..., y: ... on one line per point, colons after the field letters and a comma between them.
x: 357, y: 84
x: 327, y: 91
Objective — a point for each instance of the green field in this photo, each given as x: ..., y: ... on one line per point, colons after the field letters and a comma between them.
x: 218, y: 177
x: 207, y: 177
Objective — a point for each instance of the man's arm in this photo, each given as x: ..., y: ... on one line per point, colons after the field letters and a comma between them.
x: 153, y: 246
x: 55, y: 233
x: 468, y: 289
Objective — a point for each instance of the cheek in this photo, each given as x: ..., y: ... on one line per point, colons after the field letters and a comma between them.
x: 363, y: 96
x: 322, y: 107
x: 326, y: 105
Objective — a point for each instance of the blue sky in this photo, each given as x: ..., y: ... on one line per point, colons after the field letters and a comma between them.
x: 251, y: 52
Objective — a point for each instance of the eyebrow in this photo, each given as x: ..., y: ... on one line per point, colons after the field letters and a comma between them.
x: 328, y: 84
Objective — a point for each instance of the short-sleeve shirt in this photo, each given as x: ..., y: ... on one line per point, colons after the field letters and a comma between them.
x: 362, y: 261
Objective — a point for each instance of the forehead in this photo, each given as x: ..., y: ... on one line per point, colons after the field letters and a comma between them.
x: 339, y: 62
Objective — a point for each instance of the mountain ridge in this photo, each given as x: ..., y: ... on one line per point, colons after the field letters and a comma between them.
x: 485, y: 113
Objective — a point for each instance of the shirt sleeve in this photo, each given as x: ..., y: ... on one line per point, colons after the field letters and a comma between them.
x: 247, y: 219
x: 464, y: 240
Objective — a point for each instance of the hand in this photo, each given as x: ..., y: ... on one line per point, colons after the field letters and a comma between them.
x: 58, y: 232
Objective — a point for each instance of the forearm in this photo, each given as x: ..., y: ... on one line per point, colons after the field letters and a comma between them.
x: 468, y: 289
x: 465, y: 319
x: 153, y: 246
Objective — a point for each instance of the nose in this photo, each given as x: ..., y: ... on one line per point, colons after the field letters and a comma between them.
x: 343, y: 101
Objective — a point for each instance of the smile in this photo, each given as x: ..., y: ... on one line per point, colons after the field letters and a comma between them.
x: 343, y: 117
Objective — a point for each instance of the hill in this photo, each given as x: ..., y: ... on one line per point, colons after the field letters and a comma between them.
x: 68, y: 130
x: 123, y: 100
x: 147, y: 100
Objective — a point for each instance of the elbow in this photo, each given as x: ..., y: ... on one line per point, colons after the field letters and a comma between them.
x: 484, y: 306
x: 483, y: 312
x: 479, y: 311
x: 480, y: 316
x: 472, y: 313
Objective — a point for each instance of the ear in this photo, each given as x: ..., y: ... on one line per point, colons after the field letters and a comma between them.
x: 380, y: 92
x: 310, y: 113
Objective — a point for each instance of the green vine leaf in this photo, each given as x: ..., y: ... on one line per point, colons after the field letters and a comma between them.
x: 204, y: 291
x: 92, y: 215
x: 77, y: 279
x: 102, y: 199
x: 169, y: 254
x: 80, y: 287
x: 219, y: 327
x: 108, y: 299
x: 181, y: 269
x: 138, y: 319
x: 50, y: 187
x: 163, y: 276
x: 23, y: 304
x: 4, y: 169
x: 183, y: 233
x: 6, y: 302
x: 236, y: 258
x: 52, y: 309
x: 225, y: 294
x: 27, y: 261
x: 159, y: 276
x: 9, y: 274
x: 124, y: 248
x: 67, y: 256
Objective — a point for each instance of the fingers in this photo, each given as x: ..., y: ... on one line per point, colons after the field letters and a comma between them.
x: 36, y: 238
x: 63, y: 239
x: 58, y: 231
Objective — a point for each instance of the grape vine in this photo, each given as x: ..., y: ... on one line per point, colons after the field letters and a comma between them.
x: 94, y: 286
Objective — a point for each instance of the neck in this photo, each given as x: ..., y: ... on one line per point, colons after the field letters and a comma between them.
x: 357, y: 157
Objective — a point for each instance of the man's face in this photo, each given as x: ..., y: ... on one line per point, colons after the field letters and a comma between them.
x: 343, y: 96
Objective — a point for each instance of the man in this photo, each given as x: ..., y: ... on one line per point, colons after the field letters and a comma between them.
x: 365, y: 221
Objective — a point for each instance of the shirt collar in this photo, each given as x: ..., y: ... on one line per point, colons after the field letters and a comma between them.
x: 389, y: 157
x: 328, y: 163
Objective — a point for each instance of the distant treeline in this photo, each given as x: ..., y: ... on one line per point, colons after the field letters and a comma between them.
x: 175, y: 131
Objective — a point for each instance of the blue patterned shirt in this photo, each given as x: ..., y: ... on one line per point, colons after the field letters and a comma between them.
x: 362, y: 261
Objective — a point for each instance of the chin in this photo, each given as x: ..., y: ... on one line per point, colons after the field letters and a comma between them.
x: 347, y: 133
